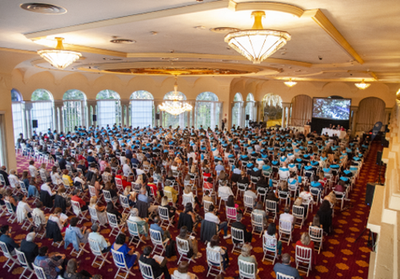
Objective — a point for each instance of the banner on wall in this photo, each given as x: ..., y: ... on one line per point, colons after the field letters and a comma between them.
x: 376, y: 129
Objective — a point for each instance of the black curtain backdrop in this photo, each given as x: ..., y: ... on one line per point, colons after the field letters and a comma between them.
x: 317, y: 124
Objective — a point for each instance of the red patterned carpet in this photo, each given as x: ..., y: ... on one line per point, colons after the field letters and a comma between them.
x: 341, y: 256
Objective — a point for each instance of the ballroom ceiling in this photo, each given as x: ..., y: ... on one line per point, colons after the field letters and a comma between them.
x: 331, y: 40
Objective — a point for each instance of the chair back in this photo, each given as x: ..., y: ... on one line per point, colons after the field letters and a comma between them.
x: 23, y: 187
x: 146, y: 270
x: 248, y: 201
x: 119, y: 259
x: 43, y: 176
x: 285, y: 226
x: 133, y: 228
x: 214, y: 257
x: 4, y: 249
x: 21, y: 258
x: 231, y: 213
x: 257, y: 220
x: 95, y: 247
x: 207, y: 205
x: 9, y: 207
x: 156, y: 237
x: 168, y: 194
x: 124, y: 201
x: 76, y: 208
x: 112, y: 220
x: 92, y: 191
x: 298, y: 211
x: 163, y: 212
x: 36, y: 220
x: 107, y: 196
x: 118, y: 182
x: 247, y: 269
x: 262, y: 191
x: 303, y: 254
x: 283, y: 276
x: 270, y: 243
x: 93, y: 214
x: 187, y: 199
x: 316, y: 234
x: 2, y: 181
x: 271, y: 206
x: 39, y: 272
x: 237, y: 234
x: 242, y: 186
x: 182, y: 245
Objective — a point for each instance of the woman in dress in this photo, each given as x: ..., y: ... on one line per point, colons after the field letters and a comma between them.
x: 129, y: 254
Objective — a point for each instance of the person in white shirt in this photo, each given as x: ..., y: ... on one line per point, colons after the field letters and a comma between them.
x: 13, y: 179
x: 39, y: 212
x: 286, y: 216
x: 80, y: 178
x: 224, y: 191
x: 211, y: 217
x: 123, y: 159
x: 104, y: 245
x: 33, y: 171
x: 182, y: 272
x: 23, y: 209
x: 46, y: 187
x: 127, y: 170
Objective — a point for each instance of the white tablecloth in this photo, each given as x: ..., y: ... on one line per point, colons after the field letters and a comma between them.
x: 331, y: 132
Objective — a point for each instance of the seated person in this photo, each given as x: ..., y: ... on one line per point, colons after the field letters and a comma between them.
x: 6, y: 238
x: 158, y: 268
x: 30, y: 248
x: 305, y: 241
x: 111, y: 209
x: 285, y: 268
x: 239, y: 225
x: 52, y: 266
x: 75, y: 197
x: 104, y: 244
x: 247, y: 257
x: 286, y: 216
x: 182, y: 271
x: 129, y: 254
x: 142, y: 224
x: 214, y: 244
x: 193, y: 245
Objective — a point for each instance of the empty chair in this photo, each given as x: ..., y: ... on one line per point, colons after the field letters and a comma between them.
x: 303, y: 258
x: 247, y: 270
x: 237, y: 239
x: 8, y: 255
x: 285, y: 231
x: 119, y: 261
x: 24, y: 264
x: 96, y: 251
x: 270, y: 247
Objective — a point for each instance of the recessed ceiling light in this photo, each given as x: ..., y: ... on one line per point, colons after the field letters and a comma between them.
x: 154, y: 33
x: 122, y: 41
x: 223, y: 29
x: 112, y: 59
x: 201, y: 27
x: 43, y: 8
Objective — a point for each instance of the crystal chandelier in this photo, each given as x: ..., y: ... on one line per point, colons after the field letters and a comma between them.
x: 59, y: 58
x: 290, y: 83
x: 362, y: 85
x: 175, y: 104
x: 256, y: 44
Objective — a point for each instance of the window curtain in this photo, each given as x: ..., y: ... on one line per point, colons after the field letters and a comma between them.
x: 370, y: 111
x: 301, y: 110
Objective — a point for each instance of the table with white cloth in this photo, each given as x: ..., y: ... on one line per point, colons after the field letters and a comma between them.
x: 331, y: 132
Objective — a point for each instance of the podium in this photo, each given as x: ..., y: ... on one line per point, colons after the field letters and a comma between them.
x: 307, y: 129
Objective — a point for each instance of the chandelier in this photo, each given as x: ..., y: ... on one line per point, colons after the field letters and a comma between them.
x: 257, y: 44
x: 290, y: 83
x: 59, y: 58
x: 362, y: 85
x: 175, y: 104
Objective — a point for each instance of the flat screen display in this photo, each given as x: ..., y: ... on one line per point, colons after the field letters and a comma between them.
x: 326, y: 108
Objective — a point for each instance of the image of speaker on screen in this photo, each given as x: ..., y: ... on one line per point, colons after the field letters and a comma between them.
x: 327, y: 108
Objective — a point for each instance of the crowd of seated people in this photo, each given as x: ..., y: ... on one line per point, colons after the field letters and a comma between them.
x: 157, y: 178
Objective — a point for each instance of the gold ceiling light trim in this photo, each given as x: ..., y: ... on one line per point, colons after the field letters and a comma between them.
x: 59, y: 57
x: 362, y: 85
x: 257, y: 43
x: 183, y: 72
x: 319, y: 17
x: 290, y: 83
x: 266, y: 6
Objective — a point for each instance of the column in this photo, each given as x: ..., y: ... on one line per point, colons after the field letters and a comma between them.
x: 157, y: 122
x: 285, y: 106
x: 192, y: 114
x: 58, y: 116
x: 353, y: 123
x: 26, y: 109
x: 125, y: 112
x: 84, y: 113
x: 242, y: 114
x: 256, y: 111
x: 91, y: 104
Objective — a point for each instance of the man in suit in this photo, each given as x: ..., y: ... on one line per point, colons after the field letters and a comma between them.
x: 30, y: 248
x: 157, y: 268
x: 239, y: 225
x: 285, y: 268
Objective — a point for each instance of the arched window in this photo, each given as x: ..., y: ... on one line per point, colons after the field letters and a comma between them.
x: 237, y: 110
x: 272, y: 109
x: 250, y: 109
x: 17, y: 112
x: 74, y: 108
x: 370, y: 111
x: 142, y: 109
x: 42, y: 110
x: 208, y: 110
x: 108, y: 108
x: 174, y: 120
